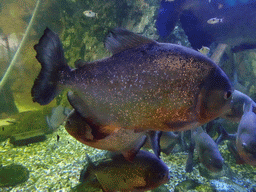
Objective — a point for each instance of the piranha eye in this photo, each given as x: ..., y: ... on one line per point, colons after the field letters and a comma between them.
x: 227, y: 95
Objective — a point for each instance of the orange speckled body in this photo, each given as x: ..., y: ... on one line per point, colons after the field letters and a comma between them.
x: 155, y: 86
x: 144, y: 85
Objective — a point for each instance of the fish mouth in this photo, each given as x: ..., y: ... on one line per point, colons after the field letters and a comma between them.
x: 217, y: 167
x: 247, y: 153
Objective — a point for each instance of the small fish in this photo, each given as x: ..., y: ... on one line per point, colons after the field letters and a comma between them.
x: 246, y: 135
x: 214, y: 20
x: 90, y: 13
x: 57, y: 117
x: 204, y: 50
x: 121, y: 140
x: 207, y: 149
x: 116, y: 174
x: 220, y: 6
x: 144, y: 85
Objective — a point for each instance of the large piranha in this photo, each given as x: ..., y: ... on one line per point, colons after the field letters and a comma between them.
x: 144, y: 85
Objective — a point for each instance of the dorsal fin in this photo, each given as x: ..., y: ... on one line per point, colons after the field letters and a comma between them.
x: 120, y: 39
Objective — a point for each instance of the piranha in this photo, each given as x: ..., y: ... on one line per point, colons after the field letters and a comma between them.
x: 246, y: 135
x: 207, y: 149
x: 116, y: 174
x: 125, y: 141
x: 144, y: 85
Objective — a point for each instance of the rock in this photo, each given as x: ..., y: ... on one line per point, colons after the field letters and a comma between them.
x: 193, y: 185
x: 12, y: 175
x: 161, y: 188
x: 227, y: 185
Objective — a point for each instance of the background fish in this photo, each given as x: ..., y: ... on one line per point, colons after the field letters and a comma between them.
x: 90, y: 13
x: 236, y: 29
x: 239, y: 100
x: 204, y: 50
x: 144, y: 173
x: 246, y: 135
x: 145, y: 85
x: 207, y: 150
x: 58, y: 116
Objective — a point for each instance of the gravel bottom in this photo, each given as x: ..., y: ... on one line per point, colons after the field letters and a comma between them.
x: 56, y: 165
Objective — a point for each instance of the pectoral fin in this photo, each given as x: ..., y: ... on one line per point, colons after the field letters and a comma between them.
x: 130, y: 154
x: 99, y: 130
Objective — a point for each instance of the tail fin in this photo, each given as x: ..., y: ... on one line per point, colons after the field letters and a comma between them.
x: 51, y: 56
x: 224, y: 135
x: 87, y: 172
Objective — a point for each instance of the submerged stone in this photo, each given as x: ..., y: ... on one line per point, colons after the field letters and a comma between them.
x: 193, y: 185
x: 161, y: 188
x: 226, y: 171
x: 12, y: 175
x: 227, y: 185
x: 25, y: 141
